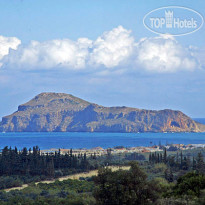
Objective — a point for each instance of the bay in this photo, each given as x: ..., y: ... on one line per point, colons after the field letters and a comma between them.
x: 75, y: 140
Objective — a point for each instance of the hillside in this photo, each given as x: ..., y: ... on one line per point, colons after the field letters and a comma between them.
x: 59, y: 112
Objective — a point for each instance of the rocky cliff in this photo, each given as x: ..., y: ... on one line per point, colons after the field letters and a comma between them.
x: 59, y: 112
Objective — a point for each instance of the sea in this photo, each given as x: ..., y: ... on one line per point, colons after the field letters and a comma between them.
x: 67, y: 140
x: 76, y: 140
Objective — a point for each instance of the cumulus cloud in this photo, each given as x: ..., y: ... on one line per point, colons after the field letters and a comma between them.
x: 114, y: 50
x: 164, y: 54
x: 108, y: 50
x: 7, y: 43
x: 56, y: 53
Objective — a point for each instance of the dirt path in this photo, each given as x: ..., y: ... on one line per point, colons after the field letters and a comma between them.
x: 15, y: 188
x: 73, y: 176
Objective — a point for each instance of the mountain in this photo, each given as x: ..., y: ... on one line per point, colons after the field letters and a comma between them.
x: 59, y: 112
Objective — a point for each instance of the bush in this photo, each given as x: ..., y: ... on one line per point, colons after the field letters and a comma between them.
x: 190, y: 184
x: 124, y: 187
x: 8, y: 182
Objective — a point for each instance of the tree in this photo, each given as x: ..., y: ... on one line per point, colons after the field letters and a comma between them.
x: 50, y: 168
x: 200, y: 166
x: 165, y: 156
x: 181, y: 160
x: 169, y: 175
x: 189, y: 184
x: 194, y: 164
x: 109, y: 154
x: 124, y: 187
x: 150, y: 157
x: 14, y: 162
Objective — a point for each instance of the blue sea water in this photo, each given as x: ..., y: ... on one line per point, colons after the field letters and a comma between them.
x: 89, y: 140
x: 200, y: 120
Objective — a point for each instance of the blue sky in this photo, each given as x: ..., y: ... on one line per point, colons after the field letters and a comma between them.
x: 95, y: 49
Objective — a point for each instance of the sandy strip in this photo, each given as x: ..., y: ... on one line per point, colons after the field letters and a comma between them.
x: 73, y: 176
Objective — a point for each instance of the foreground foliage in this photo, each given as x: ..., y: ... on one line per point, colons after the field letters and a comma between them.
x: 72, y: 192
x: 167, y: 178
x: 124, y: 187
x: 19, y: 167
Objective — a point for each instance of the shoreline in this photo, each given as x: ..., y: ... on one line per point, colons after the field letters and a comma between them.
x: 99, y: 151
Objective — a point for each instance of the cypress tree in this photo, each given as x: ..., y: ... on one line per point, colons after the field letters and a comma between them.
x: 71, y: 152
x: 165, y: 156
x: 150, y: 157
x: 200, y: 166
x: 181, y: 160
x: 158, y: 158
x: 161, y: 158
x: 94, y: 157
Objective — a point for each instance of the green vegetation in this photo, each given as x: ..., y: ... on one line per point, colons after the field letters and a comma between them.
x: 163, y: 178
x: 26, y: 166
x: 124, y: 187
x: 190, y: 184
x: 72, y: 192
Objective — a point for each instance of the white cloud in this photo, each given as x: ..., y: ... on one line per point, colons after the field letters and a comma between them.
x: 109, y: 50
x: 56, y: 53
x: 164, y: 54
x: 7, y: 43
x: 199, y: 54
x: 113, y: 51
x: 112, y: 48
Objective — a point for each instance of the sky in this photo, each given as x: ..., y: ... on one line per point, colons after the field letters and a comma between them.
x: 100, y: 51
